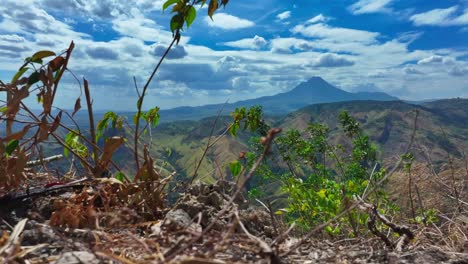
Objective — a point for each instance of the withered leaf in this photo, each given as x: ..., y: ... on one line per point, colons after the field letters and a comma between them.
x: 43, y: 130
x: 18, y: 135
x: 56, y: 63
x: 77, y: 106
x: 212, y: 7
x: 56, y: 122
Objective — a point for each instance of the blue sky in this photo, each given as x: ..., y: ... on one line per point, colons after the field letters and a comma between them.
x: 413, y: 49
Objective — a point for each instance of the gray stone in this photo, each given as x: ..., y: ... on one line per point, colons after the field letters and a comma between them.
x: 177, y: 218
x: 77, y: 257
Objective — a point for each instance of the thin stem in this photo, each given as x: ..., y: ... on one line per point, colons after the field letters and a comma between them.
x: 140, y: 102
x: 208, y: 145
x: 91, y: 121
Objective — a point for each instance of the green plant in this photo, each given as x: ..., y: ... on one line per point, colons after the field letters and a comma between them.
x: 319, y: 177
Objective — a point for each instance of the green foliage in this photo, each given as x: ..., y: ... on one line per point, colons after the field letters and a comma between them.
x: 115, y: 120
x: 235, y: 168
x: 319, y: 177
x: 73, y: 141
x: 120, y: 176
x: 430, y: 216
x: 11, y: 146
x: 251, y: 118
x: 185, y: 12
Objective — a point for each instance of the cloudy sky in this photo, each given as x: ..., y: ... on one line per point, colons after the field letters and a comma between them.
x: 413, y: 49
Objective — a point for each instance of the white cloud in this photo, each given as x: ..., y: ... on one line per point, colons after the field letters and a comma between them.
x: 332, y: 60
x: 411, y: 70
x: 338, y: 34
x: 256, y: 42
x: 284, y: 15
x: 287, y: 45
x: 458, y: 71
x: 441, y: 17
x: 436, y: 59
x: 101, y: 9
x: 317, y: 18
x: 177, y: 52
x: 228, y: 22
x: 12, y: 38
x: 138, y: 26
x: 370, y: 6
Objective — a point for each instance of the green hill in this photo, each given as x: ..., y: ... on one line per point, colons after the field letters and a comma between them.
x: 440, y: 130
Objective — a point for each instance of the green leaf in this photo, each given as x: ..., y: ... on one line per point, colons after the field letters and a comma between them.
x: 12, y: 145
x: 152, y: 116
x: 19, y: 74
x: 191, y: 15
x: 176, y: 22
x: 33, y: 78
x: 135, y: 117
x: 235, y: 168
x: 168, y: 3
x: 233, y: 129
x: 120, y: 176
x: 66, y: 152
x: 41, y: 54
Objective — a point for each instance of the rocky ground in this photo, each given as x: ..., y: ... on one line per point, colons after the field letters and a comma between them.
x: 201, y: 227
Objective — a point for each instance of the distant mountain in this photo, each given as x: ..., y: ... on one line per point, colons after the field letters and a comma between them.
x: 314, y: 91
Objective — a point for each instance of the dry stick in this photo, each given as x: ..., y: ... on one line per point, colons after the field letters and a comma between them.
x: 452, y: 172
x: 266, y: 249
x: 421, y: 204
x: 270, y: 211
x: 271, y: 135
x: 404, y: 231
x: 410, y: 192
x: 91, y: 121
x: 282, y: 236
x: 59, y: 76
x: 351, y: 207
x: 59, y: 140
x: 140, y: 102
x: 9, y: 124
x: 43, y: 160
x: 195, y: 174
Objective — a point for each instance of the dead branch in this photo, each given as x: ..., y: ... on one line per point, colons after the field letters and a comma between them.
x: 43, y: 160
x: 404, y: 231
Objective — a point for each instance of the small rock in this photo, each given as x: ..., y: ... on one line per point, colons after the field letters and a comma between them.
x: 177, y: 219
x: 77, y: 257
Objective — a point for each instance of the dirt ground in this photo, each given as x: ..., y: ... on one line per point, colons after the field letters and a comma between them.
x: 242, y: 234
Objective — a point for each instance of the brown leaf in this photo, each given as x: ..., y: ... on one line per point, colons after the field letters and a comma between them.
x: 18, y: 135
x: 212, y: 7
x: 56, y: 63
x: 43, y: 130
x: 77, y: 106
x: 17, y: 96
x: 56, y: 122
x: 110, y: 147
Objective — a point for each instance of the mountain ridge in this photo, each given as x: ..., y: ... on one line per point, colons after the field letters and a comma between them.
x: 315, y: 90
